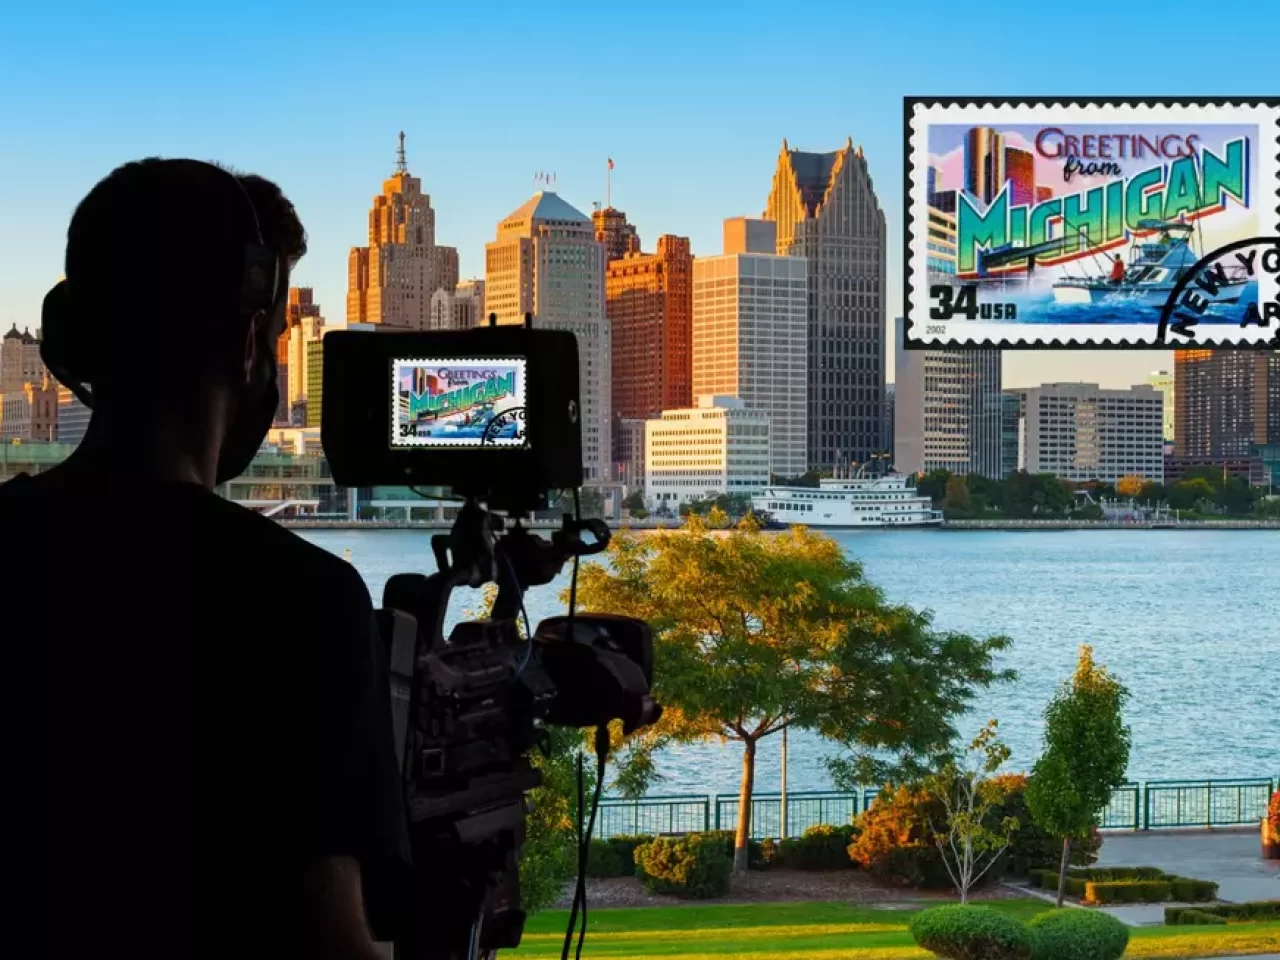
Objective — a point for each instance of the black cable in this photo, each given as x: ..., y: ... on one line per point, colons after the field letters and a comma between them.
x: 602, y: 756
x: 528, y: 629
x: 580, y: 885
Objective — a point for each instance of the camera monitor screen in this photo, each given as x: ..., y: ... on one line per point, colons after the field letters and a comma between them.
x: 458, y: 403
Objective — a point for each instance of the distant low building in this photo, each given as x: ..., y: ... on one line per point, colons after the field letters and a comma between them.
x: 73, y: 417
x: 717, y: 447
x: 30, y: 412
x: 1078, y: 431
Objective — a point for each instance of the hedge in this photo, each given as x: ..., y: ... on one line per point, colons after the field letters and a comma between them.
x: 1252, y: 910
x: 1077, y: 935
x: 1186, y: 916
x: 1129, y: 885
x: 971, y: 933
x: 614, y: 857
x: 819, y: 848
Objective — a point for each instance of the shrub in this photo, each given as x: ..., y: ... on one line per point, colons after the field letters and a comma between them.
x: 1126, y: 891
x: 971, y: 933
x: 1077, y: 935
x: 1273, y: 814
x: 1118, y: 873
x: 624, y: 845
x: 1187, y: 916
x: 755, y: 848
x: 819, y: 848
x: 1033, y: 847
x: 603, y: 860
x: 895, y: 842
x: 696, y: 866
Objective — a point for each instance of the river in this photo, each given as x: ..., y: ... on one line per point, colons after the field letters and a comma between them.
x: 1188, y: 620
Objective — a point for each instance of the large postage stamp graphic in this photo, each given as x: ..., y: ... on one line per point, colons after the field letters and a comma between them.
x: 1093, y: 224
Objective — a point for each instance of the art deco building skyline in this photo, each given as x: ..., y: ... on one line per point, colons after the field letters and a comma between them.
x: 826, y: 211
x: 649, y: 301
x: 984, y: 163
x: 546, y: 261
x: 612, y: 229
x: 392, y: 279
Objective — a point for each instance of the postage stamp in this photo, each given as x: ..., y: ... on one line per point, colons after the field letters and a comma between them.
x: 474, y: 403
x: 1093, y: 224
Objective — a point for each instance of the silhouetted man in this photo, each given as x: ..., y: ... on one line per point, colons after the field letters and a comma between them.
x: 201, y: 715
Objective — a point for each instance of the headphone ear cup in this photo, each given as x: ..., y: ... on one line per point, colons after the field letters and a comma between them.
x: 66, y: 345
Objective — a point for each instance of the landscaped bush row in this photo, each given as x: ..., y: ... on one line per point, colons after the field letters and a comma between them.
x: 1129, y: 885
x: 1188, y: 916
x: 979, y: 933
x: 1253, y: 910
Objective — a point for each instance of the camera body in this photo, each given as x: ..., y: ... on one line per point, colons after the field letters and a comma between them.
x: 493, y: 414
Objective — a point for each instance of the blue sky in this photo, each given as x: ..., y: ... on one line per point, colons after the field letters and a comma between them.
x: 691, y: 100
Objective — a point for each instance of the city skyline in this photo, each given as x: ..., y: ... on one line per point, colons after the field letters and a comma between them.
x: 331, y: 137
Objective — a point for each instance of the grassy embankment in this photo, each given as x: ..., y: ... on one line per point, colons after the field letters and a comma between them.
x: 828, y: 931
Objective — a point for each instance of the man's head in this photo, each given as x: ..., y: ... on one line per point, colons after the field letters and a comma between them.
x: 156, y: 313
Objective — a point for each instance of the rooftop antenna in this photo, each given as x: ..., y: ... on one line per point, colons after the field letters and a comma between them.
x: 401, y: 165
x: 608, y: 184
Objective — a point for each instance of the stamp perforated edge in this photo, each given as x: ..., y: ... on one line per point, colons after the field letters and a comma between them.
x: 1119, y: 337
x: 429, y: 443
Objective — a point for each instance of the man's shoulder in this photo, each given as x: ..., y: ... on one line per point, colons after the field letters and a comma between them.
x: 283, y: 550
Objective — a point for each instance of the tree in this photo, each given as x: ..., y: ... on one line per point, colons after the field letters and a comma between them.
x: 755, y: 633
x: 1130, y: 485
x: 969, y: 790
x: 634, y: 501
x: 956, y: 500
x: 1187, y: 494
x: 1086, y: 756
x: 934, y: 484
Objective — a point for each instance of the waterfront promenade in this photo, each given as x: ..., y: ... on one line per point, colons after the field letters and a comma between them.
x: 651, y: 524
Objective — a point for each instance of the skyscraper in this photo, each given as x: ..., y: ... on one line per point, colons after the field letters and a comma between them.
x: 750, y: 340
x: 611, y: 229
x: 20, y: 360
x: 984, y: 159
x: 650, y: 308
x: 1077, y: 431
x: 1226, y: 402
x: 546, y: 261
x: 1020, y: 168
x: 392, y: 279
x: 947, y: 410
x: 826, y: 211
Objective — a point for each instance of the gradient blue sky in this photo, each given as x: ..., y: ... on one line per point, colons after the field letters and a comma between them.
x: 691, y: 100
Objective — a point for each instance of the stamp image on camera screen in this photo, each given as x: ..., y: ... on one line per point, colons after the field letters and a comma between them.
x: 1105, y: 223
x: 458, y: 402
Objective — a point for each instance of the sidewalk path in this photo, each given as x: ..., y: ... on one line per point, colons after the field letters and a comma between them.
x: 1232, y: 859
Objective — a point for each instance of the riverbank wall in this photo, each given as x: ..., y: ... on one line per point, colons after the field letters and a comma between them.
x: 1006, y: 525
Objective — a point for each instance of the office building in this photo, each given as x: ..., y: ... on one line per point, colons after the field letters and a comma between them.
x: 460, y: 308
x: 984, y: 163
x: 612, y: 230
x: 72, y: 417
x: 1043, y: 193
x: 948, y: 410
x: 546, y: 261
x: 1020, y: 169
x: 750, y: 235
x: 1162, y: 380
x: 30, y: 412
x: 391, y: 280
x: 20, y: 360
x: 1012, y: 431
x: 940, y: 256
x: 1226, y: 402
x: 649, y: 302
x: 717, y: 447
x: 751, y: 340
x: 628, y: 453
x: 1078, y: 431
x: 826, y: 211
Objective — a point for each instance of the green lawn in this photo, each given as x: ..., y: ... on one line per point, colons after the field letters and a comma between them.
x: 828, y: 931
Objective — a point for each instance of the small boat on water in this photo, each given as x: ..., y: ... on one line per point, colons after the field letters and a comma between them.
x: 850, y: 503
x: 1154, y: 269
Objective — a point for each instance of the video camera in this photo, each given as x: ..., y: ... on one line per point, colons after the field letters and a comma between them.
x: 493, y: 414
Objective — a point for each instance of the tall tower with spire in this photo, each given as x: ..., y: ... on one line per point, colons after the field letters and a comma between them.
x: 391, y: 280
x: 826, y: 211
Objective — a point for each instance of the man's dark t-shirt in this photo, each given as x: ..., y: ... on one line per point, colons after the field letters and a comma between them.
x: 198, y: 705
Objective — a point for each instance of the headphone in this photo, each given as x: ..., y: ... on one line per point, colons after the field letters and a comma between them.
x: 68, y: 346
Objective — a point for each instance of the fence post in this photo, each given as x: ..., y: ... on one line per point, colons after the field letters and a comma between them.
x: 1137, y: 791
x: 1208, y: 804
x: 715, y: 798
x: 706, y: 814
x: 1146, y: 805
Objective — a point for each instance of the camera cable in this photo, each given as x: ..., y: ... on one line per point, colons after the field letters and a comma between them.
x: 584, y: 843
